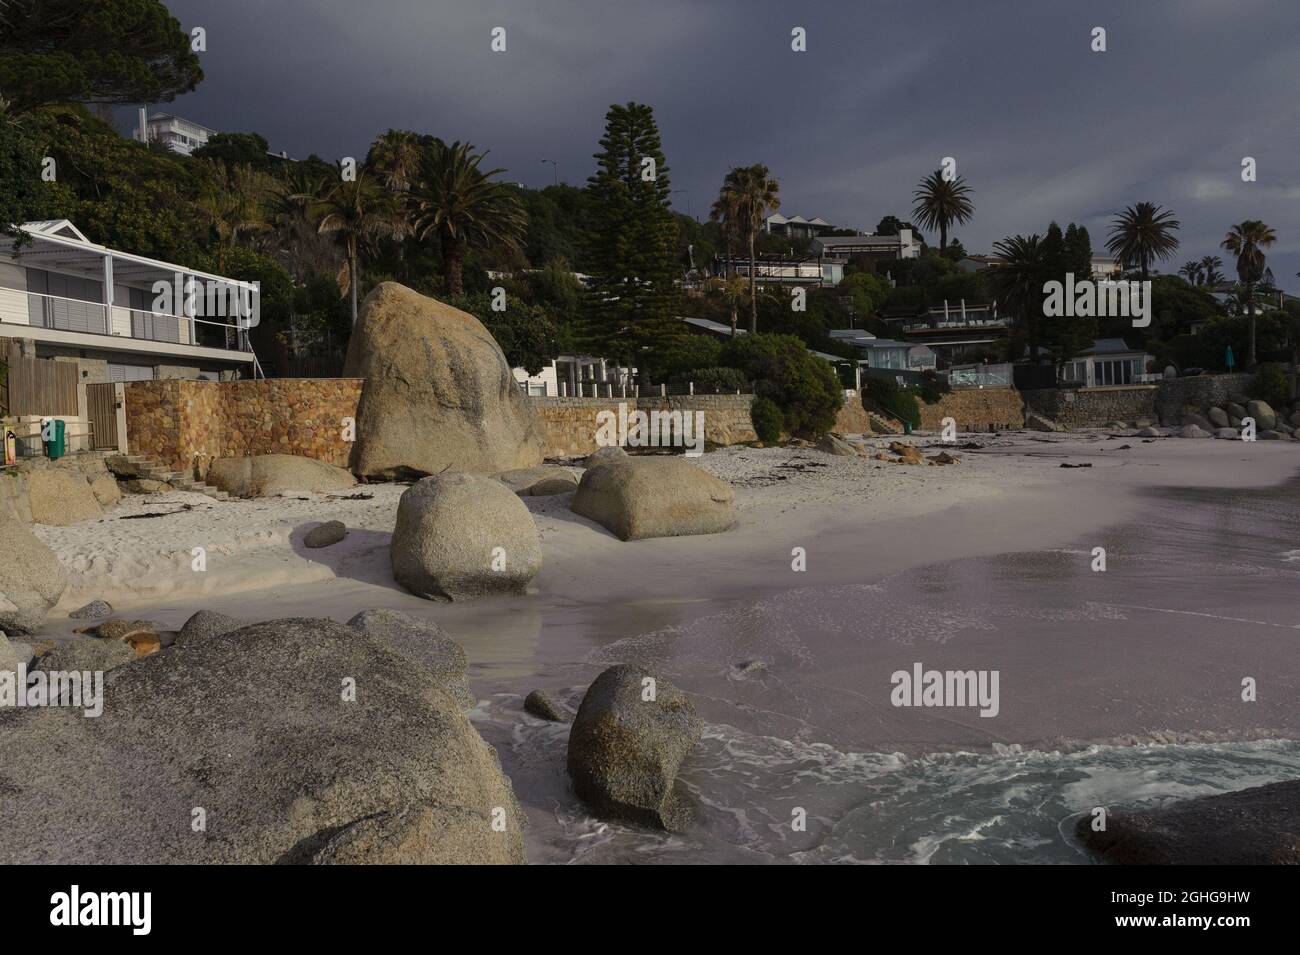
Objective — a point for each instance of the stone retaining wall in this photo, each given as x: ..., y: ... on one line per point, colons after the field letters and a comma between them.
x: 569, y: 424
x: 1094, y: 407
x: 975, y: 409
x: 1178, y: 395
x: 185, y: 424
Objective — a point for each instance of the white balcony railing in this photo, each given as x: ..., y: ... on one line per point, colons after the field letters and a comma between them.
x: 37, y: 310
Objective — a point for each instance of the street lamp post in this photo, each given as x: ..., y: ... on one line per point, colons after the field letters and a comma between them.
x: 555, y: 168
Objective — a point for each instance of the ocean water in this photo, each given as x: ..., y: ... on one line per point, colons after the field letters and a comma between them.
x: 1121, y: 688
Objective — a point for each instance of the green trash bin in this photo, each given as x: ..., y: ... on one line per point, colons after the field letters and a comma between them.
x: 55, y: 446
x: 907, y: 427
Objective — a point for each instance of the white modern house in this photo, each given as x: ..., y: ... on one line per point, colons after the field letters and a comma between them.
x: 177, y: 133
x: 904, y: 245
x: 65, y: 298
x: 887, y: 353
x: 1108, y: 362
x: 796, y: 226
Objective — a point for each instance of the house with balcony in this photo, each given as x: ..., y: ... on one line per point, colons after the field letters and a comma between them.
x: 904, y: 245
x: 1108, y: 362
x: 65, y: 298
x: 176, y: 133
x: 775, y: 269
x: 797, y: 226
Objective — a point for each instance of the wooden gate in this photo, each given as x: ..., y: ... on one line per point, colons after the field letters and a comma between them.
x: 101, y: 401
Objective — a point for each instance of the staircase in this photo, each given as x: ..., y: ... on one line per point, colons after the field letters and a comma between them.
x: 144, y: 466
x: 881, y: 424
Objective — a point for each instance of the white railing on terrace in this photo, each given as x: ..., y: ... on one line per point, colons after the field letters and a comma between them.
x: 981, y: 376
x: 38, y: 310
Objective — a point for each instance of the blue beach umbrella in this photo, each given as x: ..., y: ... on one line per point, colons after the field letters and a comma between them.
x: 1228, y: 358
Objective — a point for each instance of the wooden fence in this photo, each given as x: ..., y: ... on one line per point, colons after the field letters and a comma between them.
x: 37, y: 386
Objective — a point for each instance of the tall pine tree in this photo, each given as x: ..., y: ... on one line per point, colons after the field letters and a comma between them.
x: 631, y: 305
x: 1067, y: 335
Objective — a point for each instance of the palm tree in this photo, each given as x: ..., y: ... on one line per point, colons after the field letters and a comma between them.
x: 288, y: 214
x: 359, y: 212
x: 941, y: 203
x: 233, y: 199
x: 1247, y: 241
x: 460, y: 204
x: 395, y: 158
x: 1210, y: 273
x: 1018, y: 282
x: 1191, y: 271
x: 1143, y: 234
x: 748, y: 192
x: 726, y: 212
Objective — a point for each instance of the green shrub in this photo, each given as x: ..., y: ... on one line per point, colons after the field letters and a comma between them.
x: 1270, y: 385
x: 893, y: 397
x: 719, y: 380
x: 768, y: 420
x: 803, y: 386
x: 932, y: 388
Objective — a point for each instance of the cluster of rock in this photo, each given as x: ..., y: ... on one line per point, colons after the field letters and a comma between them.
x: 1227, y: 423
x: 289, y: 741
x: 59, y: 493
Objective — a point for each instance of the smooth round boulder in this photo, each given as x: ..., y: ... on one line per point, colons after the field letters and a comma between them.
x: 1264, y: 415
x: 265, y: 475
x: 607, y: 455
x: 104, y: 487
x: 539, y: 704
x: 304, y: 741
x: 31, y: 578
x: 1219, y: 418
x: 629, y: 738
x: 1227, y: 434
x: 460, y: 536
x: 61, y: 496
x: 323, y: 535
x: 1192, y: 431
x: 204, y: 624
x: 540, y: 481
x: 423, y: 640
x: 438, y: 393
x: 648, y: 497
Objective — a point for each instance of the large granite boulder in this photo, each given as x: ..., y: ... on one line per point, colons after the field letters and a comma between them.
x: 204, y: 624
x: 460, y: 536
x: 627, y: 744
x: 655, y: 497
x: 31, y: 577
x: 61, y: 496
x: 290, y: 741
x: 1257, y: 826
x: 1219, y: 418
x: 423, y: 640
x: 104, y: 487
x: 438, y: 392
x: 1264, y: 415
x: 265, y: 475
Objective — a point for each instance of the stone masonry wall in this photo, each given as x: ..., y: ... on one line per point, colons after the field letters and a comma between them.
x: 186, y: 423
x: 975, y: 409
x: 569, y: 424
x: 1177, y: 395
x: 1094, y: 407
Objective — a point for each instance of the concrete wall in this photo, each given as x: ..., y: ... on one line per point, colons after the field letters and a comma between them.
x: 185, y: 424
x: 975, y: 409
x: 569, y: 424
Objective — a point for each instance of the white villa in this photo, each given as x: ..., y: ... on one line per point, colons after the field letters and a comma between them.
x: 1109, y: 361
x: 65, y: 298
x: 904, y: 245
x: 179, y: 134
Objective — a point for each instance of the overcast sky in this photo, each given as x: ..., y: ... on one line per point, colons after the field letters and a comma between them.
x: 1041, y: 127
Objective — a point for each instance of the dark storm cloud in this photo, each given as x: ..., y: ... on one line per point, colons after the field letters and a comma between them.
x: 1041, y: 127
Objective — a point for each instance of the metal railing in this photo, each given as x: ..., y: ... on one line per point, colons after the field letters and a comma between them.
x: 981, y: 376
x: 95, y: 318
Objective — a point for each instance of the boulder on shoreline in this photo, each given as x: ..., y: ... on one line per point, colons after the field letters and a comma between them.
x: 539, y: 704
x: 645, y: 497
x: 1256, y: 826
x: 441, y: 655
x: 438, y: 392
x: 323, y: 535
x: 61, y: 496
x: 460, y: 536
x: 541, y: 481
x: 1263, y: 413
x: 627, y: 744
x: 265, y: 475
x: 31, y: 577
x: 300, y: 740
x: 603, y: 456
x: 207, y: 623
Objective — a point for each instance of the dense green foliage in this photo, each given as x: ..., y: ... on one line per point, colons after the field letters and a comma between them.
x: 768, y: 420
x: 1271, y: 385
x: 892, y: 397
x: 717, y: 380
x: 93, y: 51
x: 802, y: 385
